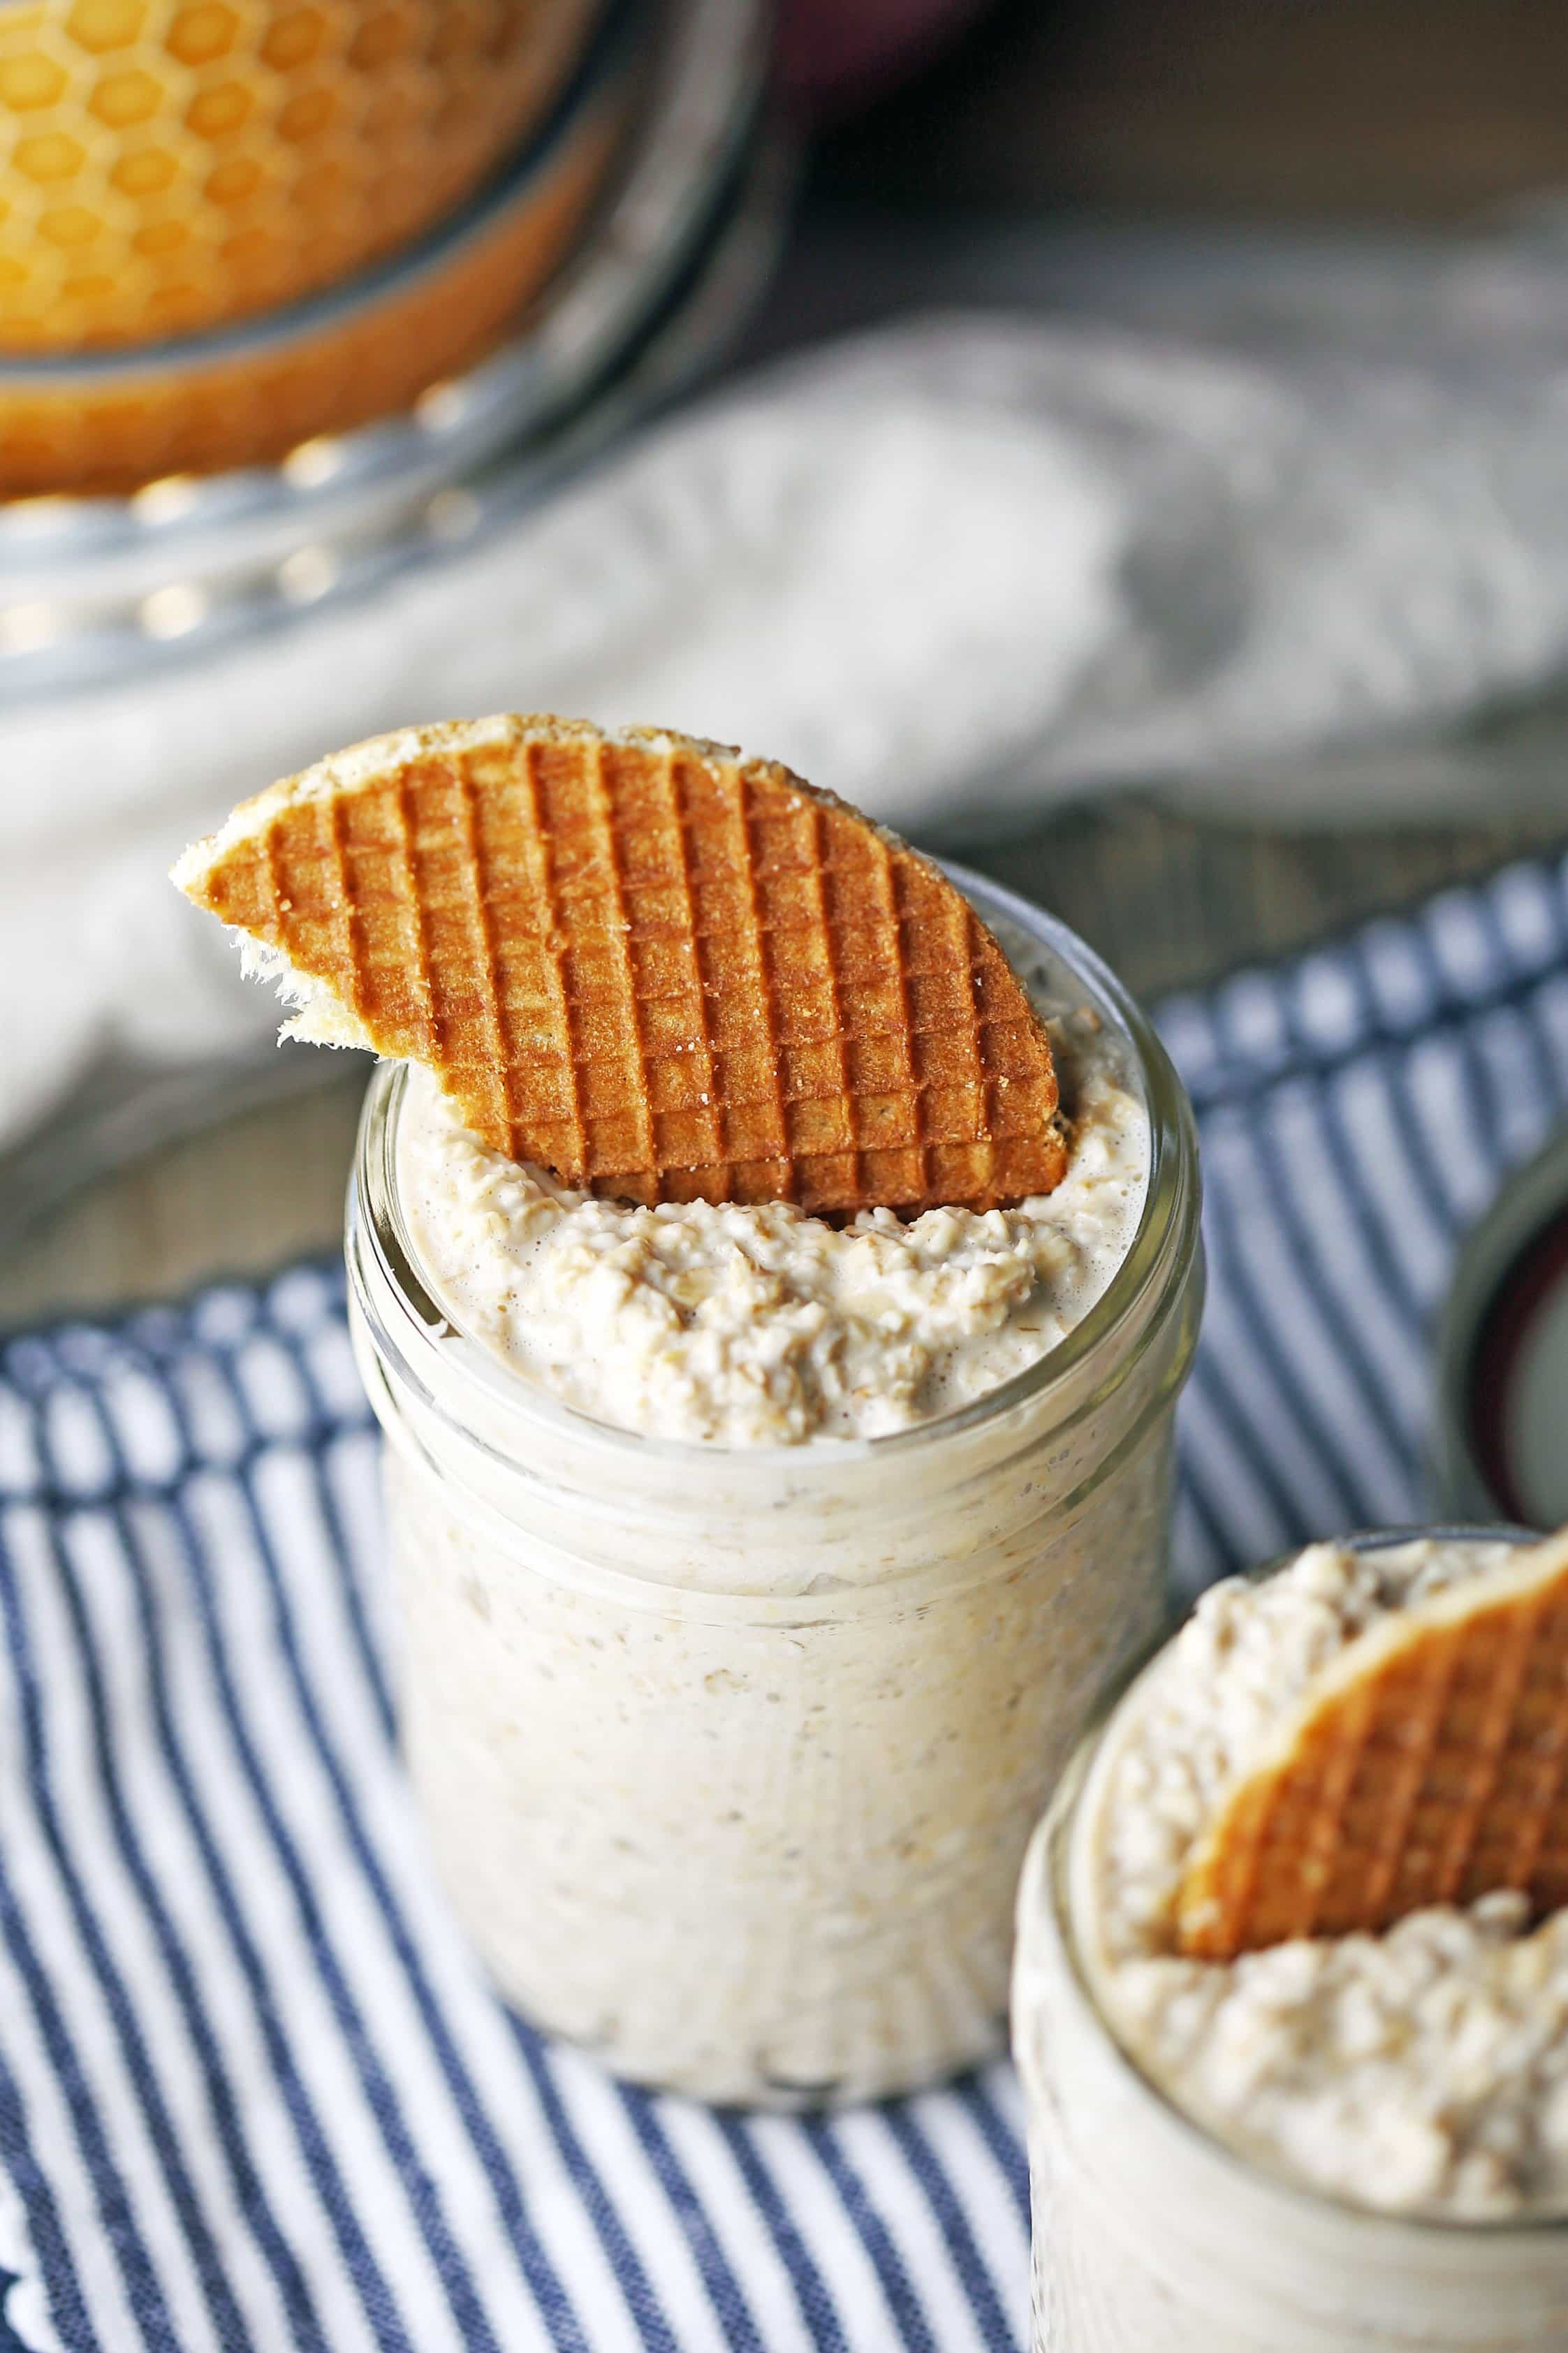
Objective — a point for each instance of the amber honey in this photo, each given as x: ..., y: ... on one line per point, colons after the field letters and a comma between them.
x: 168, y: 167
x: 225, y: 401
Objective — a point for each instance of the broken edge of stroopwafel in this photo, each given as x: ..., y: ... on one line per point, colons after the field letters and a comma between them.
x: 658, y: 970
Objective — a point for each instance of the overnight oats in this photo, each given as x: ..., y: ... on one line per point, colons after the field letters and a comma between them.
x: 758, y: 1573
x: 758, y: 1568
x: 1353, y: 2139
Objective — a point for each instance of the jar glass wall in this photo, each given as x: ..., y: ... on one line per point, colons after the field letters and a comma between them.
x: 1149, y: 2231
x: 728, y: 1755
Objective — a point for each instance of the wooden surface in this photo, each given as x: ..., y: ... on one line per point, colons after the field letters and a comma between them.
x: 240, y: 1197
x: 1269, y: 109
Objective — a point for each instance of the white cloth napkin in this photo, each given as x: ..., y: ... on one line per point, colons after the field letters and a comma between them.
x: 954, y: 569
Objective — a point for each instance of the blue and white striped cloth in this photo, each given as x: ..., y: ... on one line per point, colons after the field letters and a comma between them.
x: 1359, y: 1107
x: 252, y: 2091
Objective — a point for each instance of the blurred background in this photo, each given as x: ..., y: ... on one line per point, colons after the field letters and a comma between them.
x: 1121, y: 442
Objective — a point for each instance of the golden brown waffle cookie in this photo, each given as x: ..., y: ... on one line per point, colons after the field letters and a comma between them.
x: 655, y: 969
x: 1428, y: 1764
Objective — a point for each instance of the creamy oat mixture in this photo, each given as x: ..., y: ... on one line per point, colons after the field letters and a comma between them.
x: 763, y: 1325
x: 1422, y: 2071
x: 729, y: 1770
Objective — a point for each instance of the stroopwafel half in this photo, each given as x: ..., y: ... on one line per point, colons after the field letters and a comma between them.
x: 653, y: 967
x: 1427, y: 1765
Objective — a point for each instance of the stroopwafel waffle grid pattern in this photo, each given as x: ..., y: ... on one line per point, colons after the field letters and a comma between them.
x: 657, y: 970
x: 1437, y: 1773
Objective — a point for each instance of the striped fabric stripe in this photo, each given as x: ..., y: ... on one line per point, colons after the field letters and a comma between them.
x: 252, y: 2092
x: 1359, y: 1108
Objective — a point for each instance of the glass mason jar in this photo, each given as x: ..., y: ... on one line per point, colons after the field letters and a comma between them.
x: 1150, y: 2232
x: 728, y: 1755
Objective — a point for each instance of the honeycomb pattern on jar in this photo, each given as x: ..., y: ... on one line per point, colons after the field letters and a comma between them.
x: 113, y: 433
x: 170, y: 166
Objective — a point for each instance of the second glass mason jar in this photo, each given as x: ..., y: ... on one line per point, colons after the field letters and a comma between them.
x: 728, y: 1755
x: 1152, y: 2233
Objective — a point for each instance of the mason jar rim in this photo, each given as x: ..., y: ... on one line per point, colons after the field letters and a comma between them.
x: 1169, y: 1221
x: 1046, y: 1882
